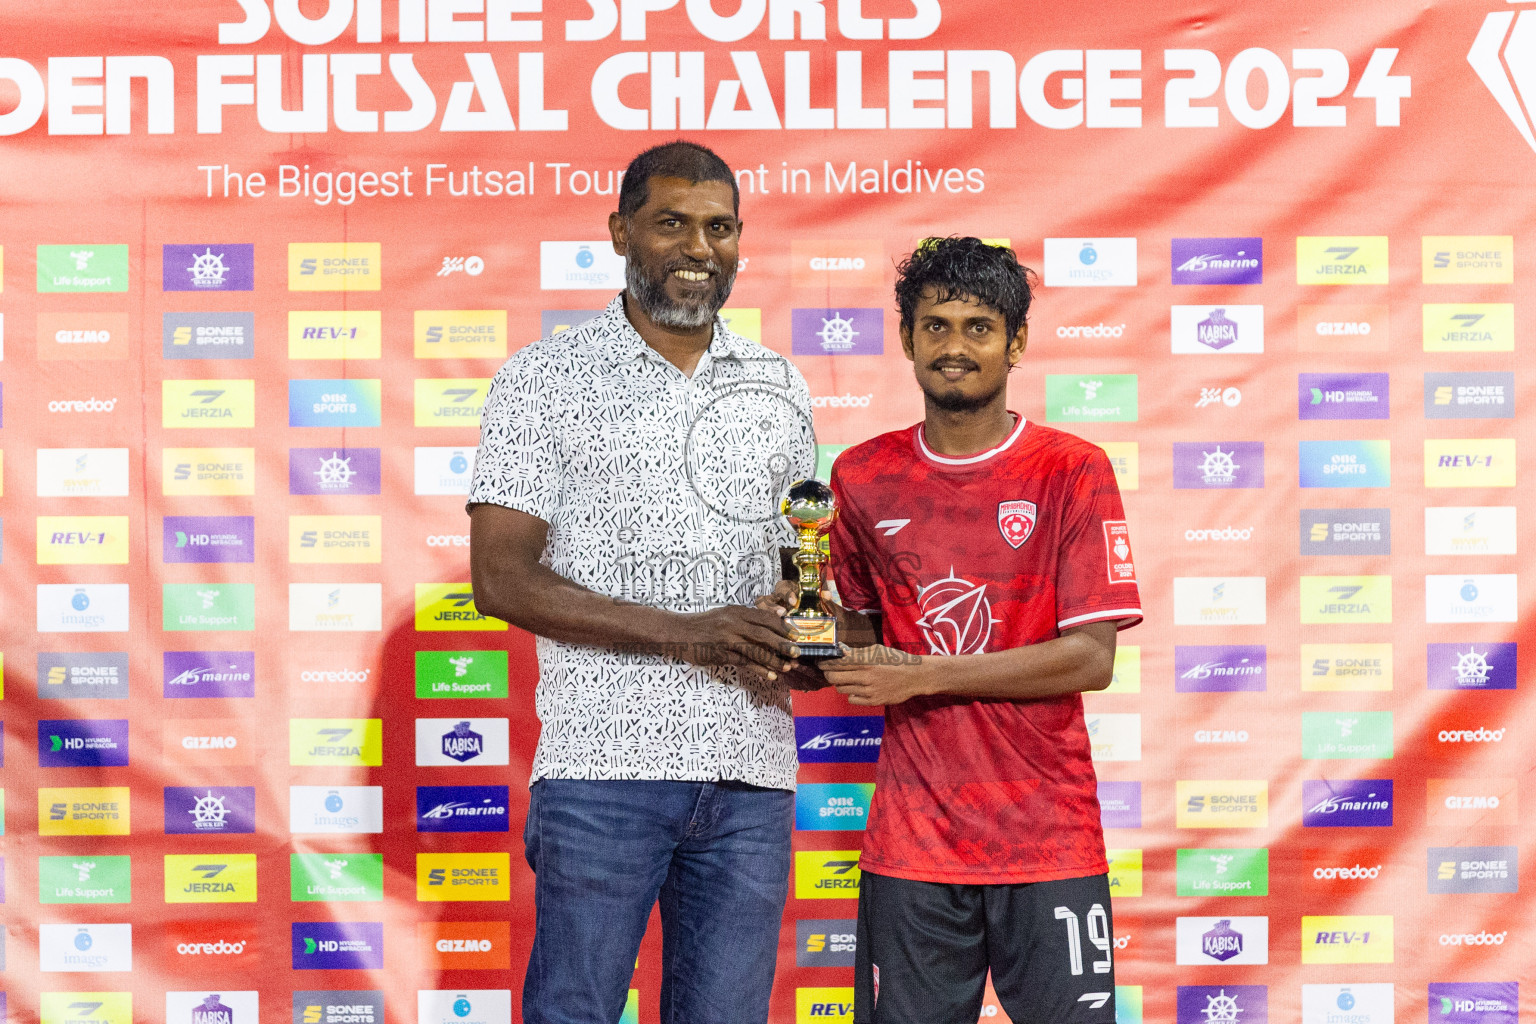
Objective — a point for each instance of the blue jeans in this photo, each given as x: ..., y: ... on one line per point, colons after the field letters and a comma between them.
x: 716, y: 855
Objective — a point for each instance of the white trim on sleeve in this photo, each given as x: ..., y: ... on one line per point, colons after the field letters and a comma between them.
x: 1113, y: 613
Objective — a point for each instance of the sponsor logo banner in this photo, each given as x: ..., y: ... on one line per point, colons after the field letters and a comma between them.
x: 85, y: 947
x: 82, y: 540
x: 450, y: 401
x: 1470, y: 530
x: 197, y: 742
x: 82, y: 608
x: 207, y: 335
x: 337, y: 810
x: 1346, y: 667
x: 825, y: 942
x: 1345, y: 463
x: 1469, y: 462
x: 1220, y: 669
x: 1356, y: 259
x: 203, y: 1007
x: 335, y: 539
x: 334, y: 470
x: 450, y: 606
x: 334, y: 403
x: 1347, y: 1004
x: 1346, y: 599
x: 461, y: 809
x: 1472, y: 666
x: 1474, y: 1002
x: 461, y: 334
x: 444, y: 470
x: 332, y: 1006
x: 745, y: 321
x: 1473, y: 869
x: 209, y: 878
x: 82, y: 336
x: 1125, y: 674
x: 1124, y: 872
x: 837, y: 263
x: 80, y: 742
x: 457, y: 674
x: 1205, y: 1004
x: 1469, y: 327
x: 210, y: 810
x: 1090, y: 262
x: 1487, y: 597
x: 1343, y: 328
x: 1219, y: 601
x: 1221, y: 940
x: 335, y: 607
x: 207, y: 404
x: 334, y: 266
x: 1218, y: 464
x: 465, y: 945
x: 356, y: 742
x: 474, y: 1006
x: 83, y: 811
x: 82, y: 268
x: 569, y: 266
x: 1365, y: 939
x: 71, y: 676
x: 1469, y: 396
x: 338, y: 945
x: 832, y: 806
x: 335, y: 334
x: 85, y: 1007
x: 1346, y: 531
x: 461, y: 741
x: 1469, y: 259
x: 1125, y: 460
x: 1090, y: 398
x: 1218, y: 260
x: 1120, y: 804
x: 1346, y: 734
x: 208, y: 268
x: 1114, y: 737
x: 1343, y: 396
x: 189, y: 539
x: 454, y: 877
x: 336, y: 877
x: 1229, y: 329
x: 845, y: 331
x: 87, y: 879
x: 210, y: 674
x: 842, y: 739
x: 1242, y: 803
x: 826, y: 874
x: 82, y: 472
x: 823, y: 1005
x: 1472, y: 802
x: 203, y: 944
x: 1223, y: 872
x: 208, y: 606
x: 1346, y: 803
x: 554, y: 321
x: 208, y: 471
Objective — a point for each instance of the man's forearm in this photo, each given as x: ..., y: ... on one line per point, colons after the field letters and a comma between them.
x: 545, y: 603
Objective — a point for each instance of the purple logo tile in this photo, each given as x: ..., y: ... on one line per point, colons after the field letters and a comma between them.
x: 210, y: 810
x: 338, y: 945
x: 74, y: 742
x: 837, y: 332
x: 1220, y: 669
x: 1218, y: 465
x: 209, y: 268
x: 1218, y: 261
x: 1343, y: 396
x: 1474, y: 1002
x: 333, y: 471
x: 1208, y: 1004
x: 209, y: 539
x: 1346, y: 803
x: 1472, y: 666
x: 210, y: 674
x: 1120, y: 804
x: 845, y: 739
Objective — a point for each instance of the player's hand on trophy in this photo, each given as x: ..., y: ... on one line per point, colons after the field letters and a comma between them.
x: 877, y: 675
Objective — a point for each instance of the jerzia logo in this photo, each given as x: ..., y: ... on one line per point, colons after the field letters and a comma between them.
x: 1497, y: 49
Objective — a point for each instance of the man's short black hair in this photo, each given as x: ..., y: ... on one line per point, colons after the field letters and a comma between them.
x: 965, y: 268
x: 686, y: 160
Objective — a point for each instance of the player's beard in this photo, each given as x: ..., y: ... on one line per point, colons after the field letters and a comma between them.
x: 650, y: 291
x: 952, y: 399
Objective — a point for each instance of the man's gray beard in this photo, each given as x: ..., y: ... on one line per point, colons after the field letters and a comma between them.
x: 664, y: 311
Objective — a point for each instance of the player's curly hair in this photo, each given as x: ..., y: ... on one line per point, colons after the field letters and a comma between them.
x: 965, y: 268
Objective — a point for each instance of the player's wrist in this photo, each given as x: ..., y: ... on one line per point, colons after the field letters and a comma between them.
x: 927, y: 675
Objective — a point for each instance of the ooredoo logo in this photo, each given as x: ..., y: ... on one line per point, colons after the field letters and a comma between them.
x: 1478, y: 735
x: 1470, y: 939
x: 1355, y: 872
x: 1098, y: 330
x: 92, y: 404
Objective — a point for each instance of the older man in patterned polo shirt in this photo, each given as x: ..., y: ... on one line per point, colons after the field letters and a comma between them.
x: 624, y: 510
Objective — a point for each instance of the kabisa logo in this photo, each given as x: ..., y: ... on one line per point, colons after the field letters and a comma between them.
x: 99, y: 811
x: 841, y: 739
x: 207, y: 335
x: 455, y: 741
x: 1474, y: 1002
x: 1218, y: 260
x: 75, y: 742
x: 1218, y: 464
x: 1228, y: 1004
x: 208, y: 471
x: 1469, y: 259
x: 1360, y: 259
x: 334, y: 403
x: 837, y: 332
x: 443, y: 470
x: 338, y: 1007
x: 69, y: 676
x: 1472, y: 666
x: 1222, y: 940
x: 202, y: 268
x: 1486, y: 869
x: 1090, y: 262
x: 826, y: 874
x: 202, y: 878
x: 1465, y: 396
x: 192, y: 539
x: 335, y: 809
x: 461, y: 809
x: 210, y: 674
x: 462, y: 743
x: 1224, y: 668
x: 450, y: 606
x: 461, y: 334
x: 450, y: 401
x: 1468, y: 327
x: 1229, y: 329
x: 1346, y: 940
x: 1346, y: 803
x: 334, y: 266
x: 566, y: 266
x: 202, y: 1007
x: 334, y: 470
x: 207, y: 404
x: 1343, y: 396
x: 444, y: 877
x: 210, y: 810
x: 335, y: 333
x: 338, y: 945
x: 335, y: 741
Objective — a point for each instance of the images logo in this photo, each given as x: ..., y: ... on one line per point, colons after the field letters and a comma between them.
x: 99, y: 811
x: 336, y: 741
x: 82, y: 336
x: 82, y: 472
x: 1469, y: 259
x: 450, y: 606
x: 335, y: 809
x: 481, y: 1006
x: 1120, y: 804
x: 1343, y: 328
x: 444, y: 470
x: 454, y: 741
x: 208, y: 471
x: 1090, y: 262
x: 208, y: 268
x: 85, y: 947
x: 84, y: 880
x: 566, y: 266
x: 338, y: 945
x: 1469, y: 327
x: 82, y: 540
x: 1337, y: 531
x: 1218, y: 260
x: 850, y: 739
x: 461, y: 334
x: 1473, y: 869
x: 1345, y: 463
x: 1221, y: 804
x: 1346, y: 940
x: 1469, y: 462
x: 450, y: 401
x: 826, y: 874
x: 336, y: 877
x: 1219, y: 601
x: 335, y: 607
x: 335, y: 539
x: 1346, y: 734
x: 206, y: 404
x: 335, y: 334
x: 465, y: 945
x: 333, y: 403
x: 190, y: 539
x: 1218, y: 464
x: 837, y: 332
x: 832, y: 806
x: 333, y: 471
x: 1343, y: 396
x: 1486, y: 597
x: 450, y: 877
x: 82, y: 608
x: 207, y: 335
x: 82, y: 268
x: 334, y: 266
x: 1346, y: 803
x: 208, y: 606
x: 1223, y: 872
x: 82, y: 742
x: 1472, y: 666
x: 206, y: 878
x: 1347, y: 1004
x: 1230, y: 329
x: 454, y: 674
x: 1090, y: 398
x: 1350, y: 667
x: 210, y: 674
x: 1346, y: 599
x: 1467, y: 396
x: 1221, y: 940
x: 71, y: 676
x: 461, y: 809
x: 210, y: 810
x: 1229, y: 1004
x: 1220, y: 669
x: 1358, y: 259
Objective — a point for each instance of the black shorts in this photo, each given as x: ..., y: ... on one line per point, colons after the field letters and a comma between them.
x: 924, y: 949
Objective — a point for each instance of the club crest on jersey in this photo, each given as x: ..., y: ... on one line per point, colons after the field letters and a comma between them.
x: 1016, y: 521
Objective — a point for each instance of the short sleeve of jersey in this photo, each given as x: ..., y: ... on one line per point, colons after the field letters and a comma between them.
x: 850, y: 565
x: 517, y: 463
x: 1096, y: 571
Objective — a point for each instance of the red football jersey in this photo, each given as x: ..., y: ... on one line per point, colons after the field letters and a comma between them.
x: 964, y: 556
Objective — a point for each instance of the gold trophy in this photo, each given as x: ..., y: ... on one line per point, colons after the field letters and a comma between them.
x: 810, y: 508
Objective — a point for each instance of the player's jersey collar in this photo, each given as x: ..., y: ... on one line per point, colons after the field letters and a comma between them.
x: 969, y: 460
